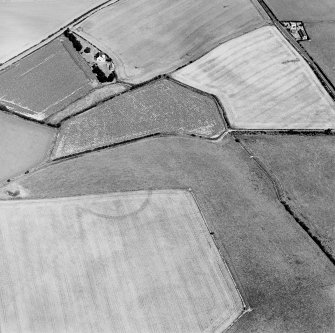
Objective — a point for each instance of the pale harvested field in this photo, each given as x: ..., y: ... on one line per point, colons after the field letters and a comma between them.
x: 263, y: 83
x: 321, y: 47
x: 125, y: 262
x: 282, y: 275
x: 45, y: 82
x: 303, y: 10
x: 27, y: 22
x: 23, y: 145
x: 162, y: 106
x: 146, y: 38
x: 304, y: 166
x: 90, y: 100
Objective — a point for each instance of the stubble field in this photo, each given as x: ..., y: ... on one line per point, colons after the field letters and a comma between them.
x: 130, y: 32
x: 276, y: 266
x: 136, y: 262
x: 262, y: 83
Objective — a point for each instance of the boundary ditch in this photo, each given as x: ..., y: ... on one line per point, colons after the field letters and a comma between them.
x: 284, y: 200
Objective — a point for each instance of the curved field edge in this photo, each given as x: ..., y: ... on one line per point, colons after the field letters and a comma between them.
x: 262, y: 244
x: 266, y: 98
x: 162, y: 107
x: 212, y: 303
x: 175, y: 52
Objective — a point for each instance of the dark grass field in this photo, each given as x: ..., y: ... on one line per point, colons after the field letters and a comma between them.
x: 162, y: 106
x: 321, y: 47
x: 304, y: 166
x: 44, y: 82
x: 285, y: 278
x: 302, y: 10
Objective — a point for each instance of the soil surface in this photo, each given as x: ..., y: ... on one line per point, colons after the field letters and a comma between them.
x: 285, y: 278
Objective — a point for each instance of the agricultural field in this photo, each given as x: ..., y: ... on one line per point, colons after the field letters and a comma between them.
x: 79, y: 271
x: 321, y: 47
x: 302, y: 10
x: 265, y: 85
x: 24, y: 23
x: 46, y: 81
x: 282, y: 275
x: 162, y: 106
x: 318, y: 18
x: 167, y: 166
x: 23, y: 145
x: 303, y: 166
x: 130, y: 32
x: 92, y: 99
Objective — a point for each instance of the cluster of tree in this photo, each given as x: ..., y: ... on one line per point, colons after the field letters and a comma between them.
x: 3, y: 107
x: 75, y: 42
x: 101, y: 75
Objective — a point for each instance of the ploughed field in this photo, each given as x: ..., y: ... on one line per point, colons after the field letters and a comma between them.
x: 162, y: 106
x: 46, y: 81
x: 23, y: 145
x: 25, y: 23
x: 146, y: 38
x: 279, y: 271
x: 262, y: 83
x: 304, y: 167
x: 135, y: 262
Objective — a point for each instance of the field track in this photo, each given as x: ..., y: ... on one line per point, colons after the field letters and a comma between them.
x: 131, y: 32
x: 263, y: 83
x: 125, y: 262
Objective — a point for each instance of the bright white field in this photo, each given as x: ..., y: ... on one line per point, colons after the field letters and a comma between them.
x: 24, y: 23
x: 23, y: 145
x: 146, y: 38
x: 263, y: 83
x: 125, y: 262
